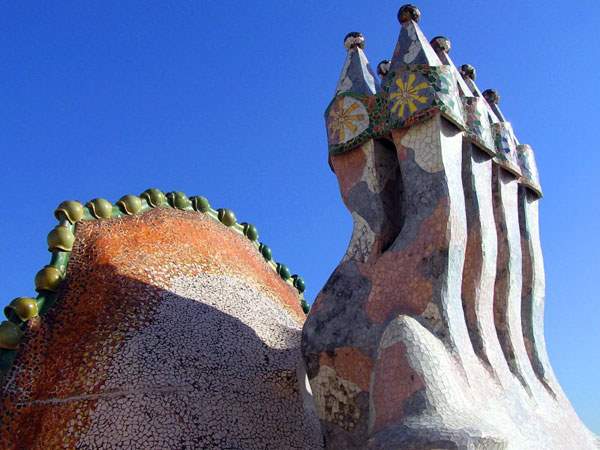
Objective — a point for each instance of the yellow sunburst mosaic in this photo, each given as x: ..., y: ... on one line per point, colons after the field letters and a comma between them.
x: 408, y: 95
x: 347, y: 119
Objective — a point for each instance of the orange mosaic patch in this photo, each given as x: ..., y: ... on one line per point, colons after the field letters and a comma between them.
x: 350, y: 364
x: 395, y: 382
x: 399, y: 286
x: 349, y: 168
x: 188, y: 238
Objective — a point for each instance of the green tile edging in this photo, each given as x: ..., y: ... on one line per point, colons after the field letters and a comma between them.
x: 60, y: 243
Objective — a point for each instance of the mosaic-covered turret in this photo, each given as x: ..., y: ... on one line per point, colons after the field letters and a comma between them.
x: 429, y: 333
x: 504, y: 136
x: 476, y: 110
x: 418, y: 84
x: 349, y: 121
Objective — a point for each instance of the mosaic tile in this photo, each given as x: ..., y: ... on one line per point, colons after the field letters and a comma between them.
x: 529, y: 170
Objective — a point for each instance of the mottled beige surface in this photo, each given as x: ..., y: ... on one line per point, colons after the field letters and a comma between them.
x: 217, y: 368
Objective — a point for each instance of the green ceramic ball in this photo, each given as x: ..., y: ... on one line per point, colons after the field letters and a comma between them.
x: 265, y: 251
x: 250, y: 231
x: 100, y: 208
x: 154, y: 197
x: 26, y: 308
x: 283, y: 271
x: 200, y: 203
x: 130, y: 204
x: 10, y: 335
x: 70, y: 210
x: 227, y: 217
x: 299, y: 283
x: 60, y: 238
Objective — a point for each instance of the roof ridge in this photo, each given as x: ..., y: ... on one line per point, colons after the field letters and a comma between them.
x: 61, y: 238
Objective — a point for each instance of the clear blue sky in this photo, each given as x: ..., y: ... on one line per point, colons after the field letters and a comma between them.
x: 226, y: 99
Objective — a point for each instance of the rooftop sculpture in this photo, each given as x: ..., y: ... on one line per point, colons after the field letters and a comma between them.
x: 161, y: 322
x: 429, y: 333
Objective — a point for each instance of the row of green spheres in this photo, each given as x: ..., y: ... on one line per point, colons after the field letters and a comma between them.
x: 61, y: 238
x: 227, y: 217
x: 131, y: 204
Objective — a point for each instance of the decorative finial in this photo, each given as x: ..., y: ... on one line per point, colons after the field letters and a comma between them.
x: 408, y: 12
x: 357, y: 75
x: 442, y: 46
x: 491, y: 96
x: 383, y: 67
x: 441, y: 43
x: 468, y: 71
x: 354, y: 39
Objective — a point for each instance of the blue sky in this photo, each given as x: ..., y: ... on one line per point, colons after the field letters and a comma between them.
x: 226, y: 99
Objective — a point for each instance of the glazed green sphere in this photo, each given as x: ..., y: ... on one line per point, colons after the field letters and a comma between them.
x: 200, y: 203
x: 130, y: 204
x: 299, y: 283
x: 227, y: 217
x: 178, y: 200
x: 154, y: 197
x: 250, y: 231
x: 265, y: 251
x: 283, y: 271
x: 10, y: 335
x: 48, y: 279
x: 100, y: 208
x: 304, y: 306
x: 61, y: 239
x: 25, y: 307
x: 70, y: 210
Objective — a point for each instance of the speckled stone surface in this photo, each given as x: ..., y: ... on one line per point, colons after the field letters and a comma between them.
x: 170, y: 332
x: 420, y: 339
x: 429, y: 333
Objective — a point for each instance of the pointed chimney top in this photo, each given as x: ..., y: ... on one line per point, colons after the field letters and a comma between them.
x: 354, y: 39
x: 468, y: 73
x: 408, y: 12
x: 412, y: 47
x: 383, y: 67
x: 357, y: 76
x: 493, y: 98
x: 441, y: 43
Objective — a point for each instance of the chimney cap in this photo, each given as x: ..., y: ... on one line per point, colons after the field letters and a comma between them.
x: 354, y: 39
x: 408, y: 12
x: 468, y: 71
x: 491, y: 96
x: 441, y: 43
